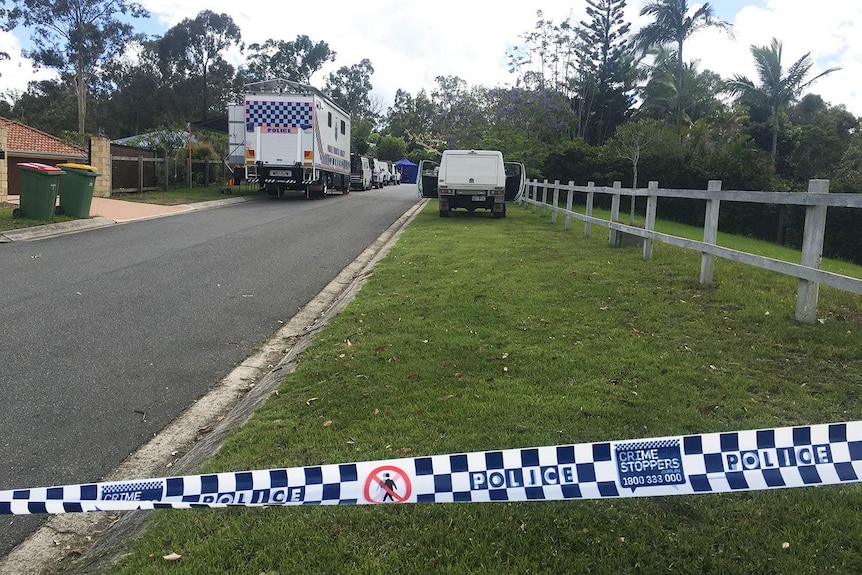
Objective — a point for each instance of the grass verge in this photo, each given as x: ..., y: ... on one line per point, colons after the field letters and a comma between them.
x: 8, y: 222
x: 187, y: 195
x: 479, y: 334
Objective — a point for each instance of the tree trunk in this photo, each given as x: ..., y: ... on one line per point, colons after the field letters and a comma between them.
x: 81, y: 95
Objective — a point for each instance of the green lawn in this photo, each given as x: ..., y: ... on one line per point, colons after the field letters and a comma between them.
x: 479, y: 334
x: 187, y: 195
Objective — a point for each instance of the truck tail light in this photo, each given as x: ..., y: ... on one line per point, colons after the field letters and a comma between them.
x: 446, y: 192
x: 497, y: 192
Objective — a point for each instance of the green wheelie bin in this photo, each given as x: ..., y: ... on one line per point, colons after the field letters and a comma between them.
x: 76, y: 190
x: 40, y: 184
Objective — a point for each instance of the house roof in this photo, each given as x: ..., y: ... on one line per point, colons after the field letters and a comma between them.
x: 26, y: 141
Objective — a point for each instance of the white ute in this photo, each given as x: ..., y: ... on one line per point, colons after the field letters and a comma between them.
x: 472, y: 179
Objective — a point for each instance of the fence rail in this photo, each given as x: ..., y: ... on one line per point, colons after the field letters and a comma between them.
x: 547, y: 196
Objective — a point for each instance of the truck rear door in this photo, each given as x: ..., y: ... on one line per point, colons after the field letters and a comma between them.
x: 427, y: 180
x: 516, y: 180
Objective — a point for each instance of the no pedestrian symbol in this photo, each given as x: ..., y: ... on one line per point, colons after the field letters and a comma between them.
x: 387, y: 484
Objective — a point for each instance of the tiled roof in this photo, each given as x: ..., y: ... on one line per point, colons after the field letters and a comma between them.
x: 27, y: 140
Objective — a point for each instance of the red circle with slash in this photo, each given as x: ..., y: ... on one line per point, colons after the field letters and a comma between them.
x: 388, y: 484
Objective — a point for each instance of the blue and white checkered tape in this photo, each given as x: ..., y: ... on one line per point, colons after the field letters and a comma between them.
x: 785, y: 457
x: 278, y: 114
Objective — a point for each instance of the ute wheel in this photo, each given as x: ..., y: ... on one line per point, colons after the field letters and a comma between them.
x: 17, y: 213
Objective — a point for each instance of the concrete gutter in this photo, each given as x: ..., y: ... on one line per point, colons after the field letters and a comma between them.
x: 90, y: 543
x: 57, y: 229
x: 137, y: 213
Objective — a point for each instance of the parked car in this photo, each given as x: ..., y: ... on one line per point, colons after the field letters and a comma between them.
x: 385, y: 173
x: 472, y: 179
x: 360, y: 172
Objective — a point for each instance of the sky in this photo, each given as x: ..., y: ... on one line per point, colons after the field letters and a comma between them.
x: 409, y: 44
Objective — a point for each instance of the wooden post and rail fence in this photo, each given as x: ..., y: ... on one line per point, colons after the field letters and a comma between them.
x: 546, y: 196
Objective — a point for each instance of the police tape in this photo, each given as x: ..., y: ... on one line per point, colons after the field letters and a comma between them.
x: 777, y: 458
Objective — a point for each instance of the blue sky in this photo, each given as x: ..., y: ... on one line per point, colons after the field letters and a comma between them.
x: 410, y: 44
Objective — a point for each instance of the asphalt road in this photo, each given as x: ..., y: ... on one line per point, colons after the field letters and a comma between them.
x: 109, y: 334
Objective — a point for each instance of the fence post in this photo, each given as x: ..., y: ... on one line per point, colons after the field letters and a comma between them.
x: 544, y: 197
x: 649, y: 224
x: 812, y: 253
x: 591, y: 194
x: 556, y: 201
x: 613, y: 235
x: 569, y: 193
x: 710, y: 233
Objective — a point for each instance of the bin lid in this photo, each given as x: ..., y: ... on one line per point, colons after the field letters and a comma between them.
x: 83, y: 167
x: 44, y: 168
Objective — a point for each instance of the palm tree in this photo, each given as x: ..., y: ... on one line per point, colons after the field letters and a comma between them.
x: 673, y: 25
x: 777, y: 89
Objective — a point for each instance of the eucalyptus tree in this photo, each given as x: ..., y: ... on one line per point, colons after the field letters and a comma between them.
x: 4, y: 19
x: 673, y: 23
x: 138, y: 96
x: 411, y: 117
x: 848, y: 170
x: 192, y: 51
x: 47, y: 105
x: 547, y: 59
x: 778, y: 87
x: 296, y: 60
x: 77, y: 38
x: 548, y: 65
x: 823, y: 134
x: 457, y: 118
x: 350, y: 87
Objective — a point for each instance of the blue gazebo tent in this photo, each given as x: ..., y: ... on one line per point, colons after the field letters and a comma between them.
x: 408, y: 169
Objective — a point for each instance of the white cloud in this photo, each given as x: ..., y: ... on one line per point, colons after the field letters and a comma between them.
x: 17, y: 72
x: 831, y: 33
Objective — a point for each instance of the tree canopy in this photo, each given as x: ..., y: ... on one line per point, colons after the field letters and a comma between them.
x: 76, y: 37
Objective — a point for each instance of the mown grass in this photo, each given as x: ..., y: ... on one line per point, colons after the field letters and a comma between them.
x: 480, y: 334
x: 8, y: 222
x: 186, y: 195
x: 740, y: 243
